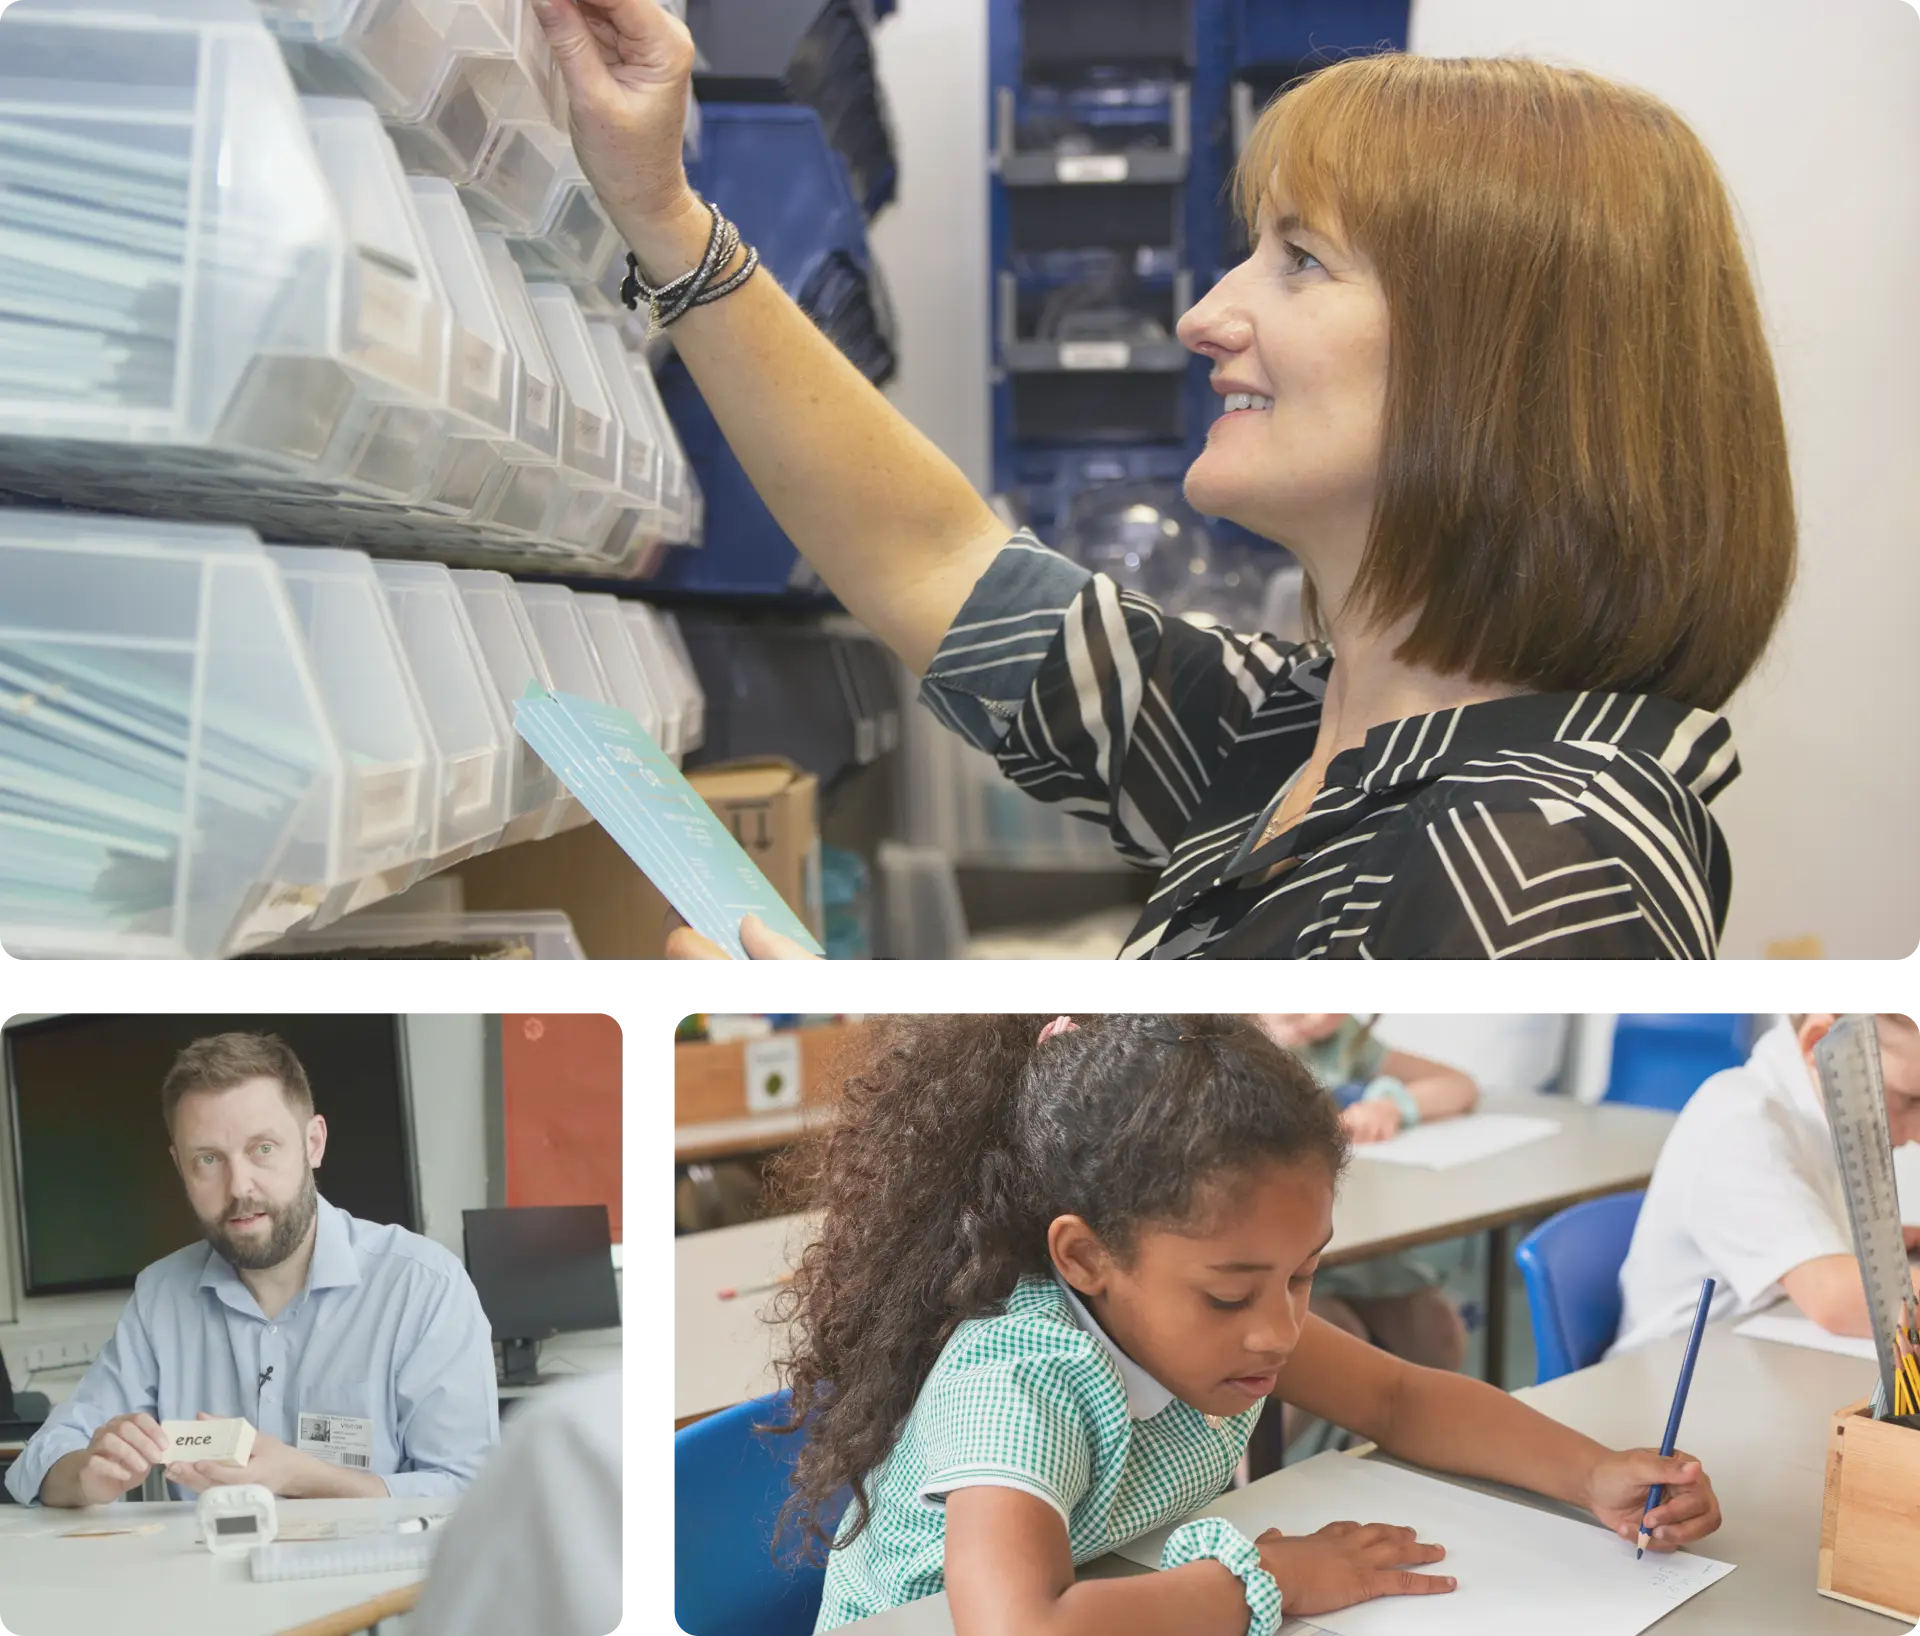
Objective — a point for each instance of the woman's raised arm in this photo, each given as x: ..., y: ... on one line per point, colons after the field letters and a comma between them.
x: 891, y: 524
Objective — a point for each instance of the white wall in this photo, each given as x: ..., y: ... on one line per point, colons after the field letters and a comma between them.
x: 1808, y: 107
x: 446, y: 1066
x: 932, y: 241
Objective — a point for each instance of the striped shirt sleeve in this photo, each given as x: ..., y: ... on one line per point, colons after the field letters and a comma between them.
x: 987, y: 661
x: 1094, y: 699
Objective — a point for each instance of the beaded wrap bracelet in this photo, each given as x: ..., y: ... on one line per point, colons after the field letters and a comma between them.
x: 670, y: 302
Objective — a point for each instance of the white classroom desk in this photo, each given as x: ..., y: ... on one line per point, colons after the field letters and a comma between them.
x: 166, y: 1584
x: 565, y: 1358
x: 1757, y: 1418
x: 723, y: 1349
x: 136, y: 1583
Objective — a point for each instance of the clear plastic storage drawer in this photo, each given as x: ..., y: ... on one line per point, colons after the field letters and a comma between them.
x: 165, y: 750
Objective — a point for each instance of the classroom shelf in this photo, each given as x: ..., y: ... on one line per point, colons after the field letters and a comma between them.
x: 217, y: 742
x: 1114, y: 128
x: 709, y: 1080
x: 1086, y: 152
x: 770, y: 168
x: 814, y: 53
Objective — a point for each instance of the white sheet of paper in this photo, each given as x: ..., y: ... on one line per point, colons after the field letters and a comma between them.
x: 1521, y: 1571
x: 1450, y: 1142
x: 1790, y: 1329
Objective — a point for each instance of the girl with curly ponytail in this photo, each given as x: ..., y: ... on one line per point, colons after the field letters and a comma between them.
x: 1061, y: 1268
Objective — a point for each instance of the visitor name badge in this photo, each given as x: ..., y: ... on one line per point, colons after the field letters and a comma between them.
x: 339, y: 1439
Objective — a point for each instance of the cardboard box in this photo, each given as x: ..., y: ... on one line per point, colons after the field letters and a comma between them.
x: 771, y: 807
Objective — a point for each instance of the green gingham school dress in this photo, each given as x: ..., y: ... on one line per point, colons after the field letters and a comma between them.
x: 1040, y: 1399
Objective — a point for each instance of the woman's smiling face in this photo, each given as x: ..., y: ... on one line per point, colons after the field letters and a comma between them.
x: 1297, y: 335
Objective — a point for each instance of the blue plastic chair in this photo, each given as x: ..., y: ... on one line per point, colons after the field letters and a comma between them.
x: 1571, y: 1265
x: 1660, y: 1060
x: 729, y: 1482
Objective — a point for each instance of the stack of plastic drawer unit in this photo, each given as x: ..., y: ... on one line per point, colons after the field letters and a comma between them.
x: 769, y: 167
x: 526, y: 935
x: 1093, y: 158
x: 227, y: 301
x: 795, y: 146
x: 816, y: 53
x: 209, y: 742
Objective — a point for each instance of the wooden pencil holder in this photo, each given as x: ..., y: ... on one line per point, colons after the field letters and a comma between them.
x: 1870, y: 1521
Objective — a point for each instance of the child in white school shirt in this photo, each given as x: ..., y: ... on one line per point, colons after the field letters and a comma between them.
x: 1060, y: 1270
x: 1747, y: 1191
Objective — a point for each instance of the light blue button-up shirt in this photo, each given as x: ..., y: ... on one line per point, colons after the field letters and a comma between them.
x: 388, y: 1329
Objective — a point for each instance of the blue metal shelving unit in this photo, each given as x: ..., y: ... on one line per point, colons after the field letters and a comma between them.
x: 1136, y: 412
x: 790, y: 195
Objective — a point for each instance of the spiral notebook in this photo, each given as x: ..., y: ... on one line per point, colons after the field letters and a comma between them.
x: 623, y: 778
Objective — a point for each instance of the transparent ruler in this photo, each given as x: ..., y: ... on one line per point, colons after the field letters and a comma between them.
x: 1849, y: 1063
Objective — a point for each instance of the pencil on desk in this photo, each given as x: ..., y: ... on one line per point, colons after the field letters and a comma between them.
x: 756, y: 1289
x: 1679, y: 1404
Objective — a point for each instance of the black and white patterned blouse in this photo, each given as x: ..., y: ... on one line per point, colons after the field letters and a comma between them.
x: 1561, y: 825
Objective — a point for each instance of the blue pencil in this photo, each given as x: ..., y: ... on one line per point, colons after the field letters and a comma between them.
x: 1679, y: 1404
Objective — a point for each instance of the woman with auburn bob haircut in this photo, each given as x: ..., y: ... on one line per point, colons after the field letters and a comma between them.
x: 1494, y: 372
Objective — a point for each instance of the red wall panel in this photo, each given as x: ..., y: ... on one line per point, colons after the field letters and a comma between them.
x: 561, y: 1084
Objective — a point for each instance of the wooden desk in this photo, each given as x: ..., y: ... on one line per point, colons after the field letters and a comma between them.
x: 1757, y: 1419
x: 723, y: 1349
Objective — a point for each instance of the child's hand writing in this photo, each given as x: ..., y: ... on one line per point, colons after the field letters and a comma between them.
x: 1344, y: 1563
x: 1688, y: 1508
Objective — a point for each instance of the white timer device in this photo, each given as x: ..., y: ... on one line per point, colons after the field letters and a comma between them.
x: 236, y: 1517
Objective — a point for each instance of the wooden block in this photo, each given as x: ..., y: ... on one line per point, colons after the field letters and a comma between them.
x: 228, y: 1440
x: 1870, y: 1517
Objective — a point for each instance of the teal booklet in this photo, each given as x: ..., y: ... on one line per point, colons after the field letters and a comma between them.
x: 642, y: 800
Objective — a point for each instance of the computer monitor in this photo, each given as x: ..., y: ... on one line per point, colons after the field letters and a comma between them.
x: 96, y: 1197
x: 20, y: 1412
x: 541, y: 1270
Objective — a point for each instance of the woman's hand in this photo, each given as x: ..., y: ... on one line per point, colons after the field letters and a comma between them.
x: 762, y: 943
x: 1372, y: 1120
x: 1344, y: 1563
x: 629, y: 69
x: 1688, y: 1508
